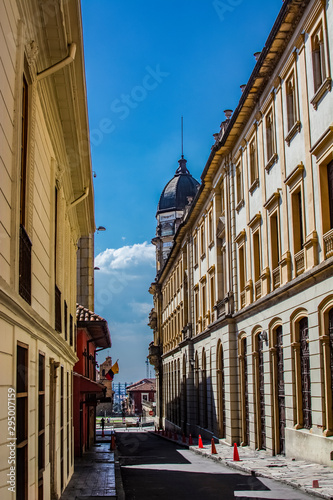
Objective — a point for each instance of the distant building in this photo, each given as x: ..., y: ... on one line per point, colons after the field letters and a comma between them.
x: 140, y: 392
x: 243, y: 301
x: 105, y: 407
x: 92, y: 333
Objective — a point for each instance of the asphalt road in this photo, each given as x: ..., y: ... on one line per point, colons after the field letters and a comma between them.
x: 154, y: 468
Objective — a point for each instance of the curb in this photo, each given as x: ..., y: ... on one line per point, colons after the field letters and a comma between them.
x: 252, y: 471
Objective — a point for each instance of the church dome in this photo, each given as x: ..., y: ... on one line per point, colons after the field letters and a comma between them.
x: 176, y: 194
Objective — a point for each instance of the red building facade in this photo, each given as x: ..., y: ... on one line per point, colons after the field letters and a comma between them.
x: 92, y: 334
x: 144, y: 390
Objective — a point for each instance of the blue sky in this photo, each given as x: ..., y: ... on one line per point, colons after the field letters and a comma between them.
x: 147, y: 64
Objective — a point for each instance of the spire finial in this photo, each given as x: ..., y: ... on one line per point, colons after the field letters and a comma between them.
x: 182, y: 128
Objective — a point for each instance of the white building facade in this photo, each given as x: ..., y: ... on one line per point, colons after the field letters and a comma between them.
x: 243, y: 306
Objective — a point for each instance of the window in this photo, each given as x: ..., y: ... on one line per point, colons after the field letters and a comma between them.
x: 41, y: 422
x: 291, y: 102
x: 297, y: 214
x: 144, y: 397
x: 71, y: 330
x: 241, y: 263
x: 66, y: 319
x: 275, y: 249
x: 204, y: 299
x: 22, y: 422
x: 318, y: 58
x: 212, y: 292
x: 202, y: 239
x: 210, y: 227
x: 196, y: 305
x: 239, y: 185
x: 222, y: 198
x: 257, y: 263
x: 25, y: 243
x: 57, y: 292
x: 195, y: 250
x: 270, y: 146
x: 305, y: 372
x: 253, y: 165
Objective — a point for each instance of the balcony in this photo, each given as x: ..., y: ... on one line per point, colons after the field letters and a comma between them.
x: 299, y: 262
x: 242, y: 299
x: 328, y: 244
x: 257, y: 289
x: 276, y: 277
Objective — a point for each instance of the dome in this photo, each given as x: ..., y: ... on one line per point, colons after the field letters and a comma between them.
x: 177, y: 191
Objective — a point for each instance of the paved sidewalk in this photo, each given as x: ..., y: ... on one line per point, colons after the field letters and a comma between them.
x: 296, y: 473
x: 94, y: 475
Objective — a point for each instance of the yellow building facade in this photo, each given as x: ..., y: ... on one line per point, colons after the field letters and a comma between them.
x: 46, y: 206
x: 243, y: 303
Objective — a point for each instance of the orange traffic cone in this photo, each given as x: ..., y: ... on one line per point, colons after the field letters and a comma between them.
x: 214, y: 452
x: 200, y: 442
x: 236, y: 456
x: 190, y: 440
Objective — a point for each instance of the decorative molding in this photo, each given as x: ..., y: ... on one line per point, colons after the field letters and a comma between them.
x: 255, y: 221
x: 293, y: 131
x: 295, y: 176
x: 240, y: 238
x: 254, y: 185
x: 272, y: 202
x: 325, y: 140
x: 271, y: 162
x: 240, y: 205
x: 324, y: 87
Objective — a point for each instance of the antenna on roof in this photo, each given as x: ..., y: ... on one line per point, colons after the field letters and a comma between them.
x: 182, y: 129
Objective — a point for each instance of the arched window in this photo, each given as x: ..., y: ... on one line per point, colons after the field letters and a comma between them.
x: 197, y: 395
x: 305, y: 372
x: 204, y: 390
x: 221, y: 391
x: 278, y: 389
x: 259, y: 391
x: 244, y: 397
x: 300, y: 337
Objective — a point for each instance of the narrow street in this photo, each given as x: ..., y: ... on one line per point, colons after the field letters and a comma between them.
x: 152, y: 467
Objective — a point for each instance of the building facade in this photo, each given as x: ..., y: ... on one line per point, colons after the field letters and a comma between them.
x: 141, y: 393
x: 46, y: 206
x: 243, y: 304
x: 92, y: 335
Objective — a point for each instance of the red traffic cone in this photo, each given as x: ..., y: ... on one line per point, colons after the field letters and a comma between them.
x: 315, y: 483
x: 236, y: 456
x: 200, y: 442
x: 190, y: 440
x: 102, y: 433
x: 214, y: 452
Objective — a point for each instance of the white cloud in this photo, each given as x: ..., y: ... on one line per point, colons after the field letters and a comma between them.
x: 126, y: 257
x: 122, y: 298
x: 141, y: 308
